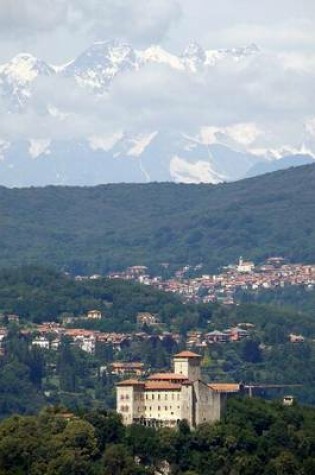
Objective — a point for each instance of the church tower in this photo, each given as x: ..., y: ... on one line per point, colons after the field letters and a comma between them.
x: 187, y: 363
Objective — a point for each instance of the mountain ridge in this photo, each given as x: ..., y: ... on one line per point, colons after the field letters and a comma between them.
x: 109, y: 227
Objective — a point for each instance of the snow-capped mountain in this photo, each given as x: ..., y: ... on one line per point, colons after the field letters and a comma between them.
x: 18, y: 75
x: 101, y: 63
x: 127, y: 155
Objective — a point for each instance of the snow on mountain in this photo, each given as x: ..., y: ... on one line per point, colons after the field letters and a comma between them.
x: 183, y: 171
x: 18, y: 75
x: 194, y: 57
x: 39, y: 147
x: 140, y: 143
x: 3, y: 148
x: 156, y: 54
x: 99, y: 65
x: 210, y: 154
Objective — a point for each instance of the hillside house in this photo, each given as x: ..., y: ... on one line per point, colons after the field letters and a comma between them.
x: 121, y: 368
x: 146, y: 318
x: 94, y: 315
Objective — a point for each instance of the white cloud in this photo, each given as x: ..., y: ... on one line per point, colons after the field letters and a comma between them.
x: 257, y: 102
x: 287, y: 36
x: 140, y: 21
x: 18, y: 17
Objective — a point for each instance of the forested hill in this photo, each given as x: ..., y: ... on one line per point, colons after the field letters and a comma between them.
x: 109, y: 227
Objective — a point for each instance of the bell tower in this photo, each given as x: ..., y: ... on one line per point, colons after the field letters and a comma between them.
x: 187, y: 363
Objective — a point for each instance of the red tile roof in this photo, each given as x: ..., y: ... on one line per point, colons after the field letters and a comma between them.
x: 224, y: 387
x: 162, y: 386
x: 121, y: 364
x: 131, y: 382
x: 187, y: 354
x: 167, y: 377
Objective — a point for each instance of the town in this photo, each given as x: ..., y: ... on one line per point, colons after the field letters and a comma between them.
x: 246, y: 276
x: 221, y: 288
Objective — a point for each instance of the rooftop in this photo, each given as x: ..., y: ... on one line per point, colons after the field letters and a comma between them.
x: 162, y: 385
x: 167, y: 377
x: 224, y: 387
x: 131, y: 382
x: 187, y: 354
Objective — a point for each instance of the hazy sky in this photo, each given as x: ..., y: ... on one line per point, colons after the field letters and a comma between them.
x: 56, y: 30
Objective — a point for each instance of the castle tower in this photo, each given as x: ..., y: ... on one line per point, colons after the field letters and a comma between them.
x: 187, y: 363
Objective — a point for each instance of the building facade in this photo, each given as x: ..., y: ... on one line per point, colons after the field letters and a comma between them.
x: 164, y: 399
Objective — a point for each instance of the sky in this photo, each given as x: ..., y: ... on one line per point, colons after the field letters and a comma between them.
x: 58, y: 30
x: 271, y: 95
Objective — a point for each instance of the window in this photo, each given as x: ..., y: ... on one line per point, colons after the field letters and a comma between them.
x: 165, y: 397
x: 159, y: 397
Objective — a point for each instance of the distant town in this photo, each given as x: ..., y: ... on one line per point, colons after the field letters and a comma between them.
x: 245, y: 275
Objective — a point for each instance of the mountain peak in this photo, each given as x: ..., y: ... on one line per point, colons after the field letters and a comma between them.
x: 21, y: 71
x: 156, y: 54
x: 194, y: 49
x: 194, y: 56
x: 101, y: 62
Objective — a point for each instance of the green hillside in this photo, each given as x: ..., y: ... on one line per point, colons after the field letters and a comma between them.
x: 109, y: 227
x: 254, y: 438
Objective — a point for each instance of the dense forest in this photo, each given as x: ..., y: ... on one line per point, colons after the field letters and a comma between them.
x: 88, y: 230
x: 255, y: 438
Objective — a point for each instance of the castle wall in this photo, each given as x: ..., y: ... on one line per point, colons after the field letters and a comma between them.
x: 164, y: 405
x: 188, y: 404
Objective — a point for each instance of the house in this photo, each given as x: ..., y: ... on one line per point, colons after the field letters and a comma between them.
x: 3, y: 334
x: 120, y: 368
x: 296, y: 338
x: 146, y: 318
x: 41, y: 342
x: 217, y: 337
x: 236, y: 334
x: 86, y: 343
x: 288, y: 400
x: 94, y: 315
x: 245, y: 266
x: 164, y: 399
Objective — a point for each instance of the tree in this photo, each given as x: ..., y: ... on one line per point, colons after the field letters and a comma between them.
x: 251, y: 353
x: 117, y: 461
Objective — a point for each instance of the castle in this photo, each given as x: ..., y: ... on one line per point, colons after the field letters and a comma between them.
x: 164, y: 399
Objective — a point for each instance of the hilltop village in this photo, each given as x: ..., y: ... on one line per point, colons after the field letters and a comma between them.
x: 245, y: 276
